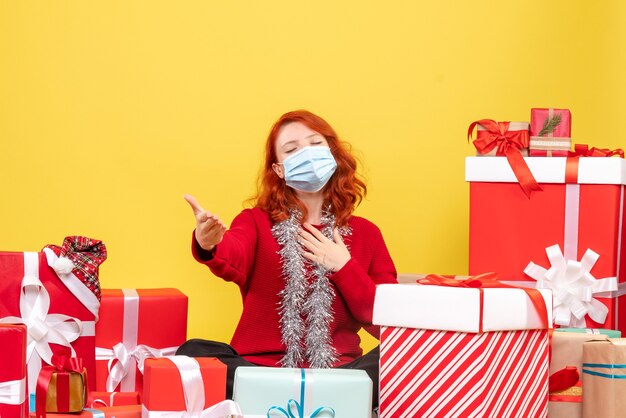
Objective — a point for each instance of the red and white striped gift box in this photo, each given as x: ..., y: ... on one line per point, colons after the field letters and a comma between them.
x: 437, y: 361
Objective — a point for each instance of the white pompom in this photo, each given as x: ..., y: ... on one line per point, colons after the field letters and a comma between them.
x: 63, y: 265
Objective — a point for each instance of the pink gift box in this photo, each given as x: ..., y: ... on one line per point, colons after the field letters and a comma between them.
x: 550, y: 132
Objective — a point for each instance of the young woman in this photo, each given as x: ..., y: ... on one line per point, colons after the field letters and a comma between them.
x: 307, y: 269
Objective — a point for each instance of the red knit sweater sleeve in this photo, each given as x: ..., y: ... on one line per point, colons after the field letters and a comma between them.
x: 234, y: 256
x: 357, y: 283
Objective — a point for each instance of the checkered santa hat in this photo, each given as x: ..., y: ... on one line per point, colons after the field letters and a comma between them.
x: 81, y: 256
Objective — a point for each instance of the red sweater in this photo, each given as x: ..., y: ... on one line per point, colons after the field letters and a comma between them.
x: 248, y: 256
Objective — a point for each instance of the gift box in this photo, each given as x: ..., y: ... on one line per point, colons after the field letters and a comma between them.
x: 509, y: 139
x: 566, y: 367
x: 182, y: 386
x: 61, y: 387
x: 106, y: 399
x: 550, y: 132
x: 13, y: 393
x: 611, y: 333
x: 566, y: 237
x: 496, y: 138
x: 124, y: 411
x: 136, y: 324
x: 604, y: 378
x: 53, y: 298
x: 264, y: 391
x: 462, y: 351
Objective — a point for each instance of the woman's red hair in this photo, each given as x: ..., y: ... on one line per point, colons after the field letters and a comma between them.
x: 344, y: 191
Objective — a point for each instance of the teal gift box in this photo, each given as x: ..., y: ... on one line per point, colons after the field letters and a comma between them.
x: 611, y: 333
x: 302, y: 393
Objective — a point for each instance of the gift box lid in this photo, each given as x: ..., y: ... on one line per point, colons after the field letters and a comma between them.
x: 457, y: 309
x: 591, y: 170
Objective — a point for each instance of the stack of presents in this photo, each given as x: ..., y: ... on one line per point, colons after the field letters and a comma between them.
x: 533, y: 331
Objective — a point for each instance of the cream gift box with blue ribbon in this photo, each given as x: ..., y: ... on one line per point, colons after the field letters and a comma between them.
x: 302, y: 393
x: 604, y: 378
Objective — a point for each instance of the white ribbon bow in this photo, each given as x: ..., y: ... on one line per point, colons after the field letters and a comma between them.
x: 43, y: 328
x: 573, y: 287
x: 193, y: 389
x: 13, y: 392
x: 122, y: 361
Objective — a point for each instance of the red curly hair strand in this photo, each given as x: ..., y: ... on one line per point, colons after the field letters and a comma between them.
x: 344, y: 191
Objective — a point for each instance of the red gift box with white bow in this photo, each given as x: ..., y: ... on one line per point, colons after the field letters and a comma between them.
x: 57, y: 307
x: 134, y: 325
x: 566, y: 237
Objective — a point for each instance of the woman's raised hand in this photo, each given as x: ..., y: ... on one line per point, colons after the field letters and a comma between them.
x: 209, y: 228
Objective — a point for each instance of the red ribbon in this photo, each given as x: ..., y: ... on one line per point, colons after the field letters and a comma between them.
x: 583, y: 150
x: 62, y: 365
x: 508, y: 143
x: 563, y: 379
x: 489, y: 280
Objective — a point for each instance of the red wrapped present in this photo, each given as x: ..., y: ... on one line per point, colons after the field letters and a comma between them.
x: 567, y: 238
x: 136, y: 324
x: 508, y: 139
x: 122, y: 411
x: 550, y: 132
x: 462, y: 349
x: 54, y: 294
x: 106, y: 399
x: 62, y: 387
x: 181, y: 386
x: 13, y: 393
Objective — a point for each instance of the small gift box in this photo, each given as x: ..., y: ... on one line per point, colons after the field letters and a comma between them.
x: 107, y: 399
x: 264, y: 391
x: 13, y: 371
x: 604, y: 378
x: 136, y: 324
x: 185, y: 386
x: 456, y: 348
x: 123, y: 411
x: 550, y: 132
x: 61, y: 387
x: 508, y: 139
x: 566, y: 365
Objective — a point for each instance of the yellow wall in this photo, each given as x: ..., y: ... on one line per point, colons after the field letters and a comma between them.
x: 111, y: 111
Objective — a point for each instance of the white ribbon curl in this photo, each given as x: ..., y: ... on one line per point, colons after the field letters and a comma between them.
x: 193, y: 389
x: 573, y: 287
x: 13, y: 392
x: 43, y: 328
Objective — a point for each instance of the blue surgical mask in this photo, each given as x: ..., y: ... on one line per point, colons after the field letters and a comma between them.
x: 310, y: 168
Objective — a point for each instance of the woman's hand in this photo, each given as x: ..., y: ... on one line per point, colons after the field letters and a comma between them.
x: 333, y: 255
x: 209, y: 228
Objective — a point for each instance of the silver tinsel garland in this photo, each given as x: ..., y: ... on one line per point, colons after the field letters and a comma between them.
x: 305, y: 311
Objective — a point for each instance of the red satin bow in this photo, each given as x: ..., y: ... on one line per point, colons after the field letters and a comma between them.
x: 583, y: 150
x: 488, y: 280
x: 563, y: 379
x: 509, y: 144
x: 62, y: 365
